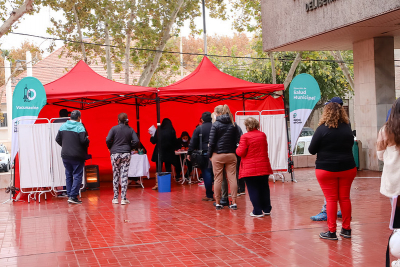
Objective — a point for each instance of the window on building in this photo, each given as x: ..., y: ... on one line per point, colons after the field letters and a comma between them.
x: 3, y: 122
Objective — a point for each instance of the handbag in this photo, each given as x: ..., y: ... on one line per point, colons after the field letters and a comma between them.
x: 197, y: 157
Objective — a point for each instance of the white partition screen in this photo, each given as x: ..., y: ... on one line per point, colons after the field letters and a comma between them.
x: 34, y: 155
x: 274, y: 126
x: 239, y: 119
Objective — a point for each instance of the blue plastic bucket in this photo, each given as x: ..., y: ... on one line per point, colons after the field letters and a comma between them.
x: 164, y: 182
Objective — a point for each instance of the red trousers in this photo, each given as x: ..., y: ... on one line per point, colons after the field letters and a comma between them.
x: 336, y: 187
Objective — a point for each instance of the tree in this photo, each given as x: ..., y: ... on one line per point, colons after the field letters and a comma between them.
x: 11, y: 17
x: 149, y: 24
x: 19, y: 54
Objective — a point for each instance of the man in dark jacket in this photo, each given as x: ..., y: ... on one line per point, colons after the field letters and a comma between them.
x: 203, y: 132
x: 74, y: 141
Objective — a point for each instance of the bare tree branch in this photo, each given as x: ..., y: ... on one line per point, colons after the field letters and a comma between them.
x: 151, y: 67
x: 338, y: 57
x: 15, y: 16
x: 80, y: 33
x: 293, y: 68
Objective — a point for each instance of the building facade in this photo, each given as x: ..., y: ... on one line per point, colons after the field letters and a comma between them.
x: 370, y: 28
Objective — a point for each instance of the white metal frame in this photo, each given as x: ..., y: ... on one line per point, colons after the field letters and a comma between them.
x: 39, y: 190
x: 279, y: 174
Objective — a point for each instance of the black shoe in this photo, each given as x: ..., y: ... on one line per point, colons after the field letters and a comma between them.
x: 223, y: 204
x: 328, y: 235
x: 233, y: 207
x: 63, y: 194
x: 74, y: 200
x: 345, y: 233
x: 218, y: 207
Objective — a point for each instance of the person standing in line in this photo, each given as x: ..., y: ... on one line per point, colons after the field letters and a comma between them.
x: 64, y: 117
x: 388, y: 151
x: 322, y: 216
x: 335, y: 166
x: 255, y: 167
x: 120, y: 141
x: 168, y: 145
x: 224, y: 185
x: 73, y: 139
x: 203, y: 132
x: 224, y: 137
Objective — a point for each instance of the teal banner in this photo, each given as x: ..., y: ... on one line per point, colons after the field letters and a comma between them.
x: 304, y: 94
x: 29, y: 98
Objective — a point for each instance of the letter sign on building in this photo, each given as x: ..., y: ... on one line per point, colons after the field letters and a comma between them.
x: 314, y: 4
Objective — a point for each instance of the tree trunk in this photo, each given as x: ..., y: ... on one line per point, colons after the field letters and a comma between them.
x: 108, y: 57
x: 80, y: 34
x: 293, y: 68
x: 128, y: 42
x: 26, y: 7
x: 151, y: 67
x: 338, y: 57
x: 271, y: 56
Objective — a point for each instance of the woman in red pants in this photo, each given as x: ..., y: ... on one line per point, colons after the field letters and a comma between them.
x: 335, y: 167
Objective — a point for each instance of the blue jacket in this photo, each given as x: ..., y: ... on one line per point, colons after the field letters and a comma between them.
x: 73, y: 139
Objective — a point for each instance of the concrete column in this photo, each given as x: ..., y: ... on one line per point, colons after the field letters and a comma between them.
x: 374, y: 81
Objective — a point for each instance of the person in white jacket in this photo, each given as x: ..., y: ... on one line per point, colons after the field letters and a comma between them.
x: 388, y: 150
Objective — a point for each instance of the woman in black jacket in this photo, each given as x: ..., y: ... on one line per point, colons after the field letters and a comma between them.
x: 168, y: 145
x: 120, y: 141
x: 224, y: 137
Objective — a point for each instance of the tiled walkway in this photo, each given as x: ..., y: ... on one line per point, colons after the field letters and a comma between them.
x: 178, y: 229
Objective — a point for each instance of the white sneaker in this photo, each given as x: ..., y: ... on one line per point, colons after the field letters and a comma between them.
x: 115, y: 201
x: 258, y: 216
x: 124, y: 201
x: 267, y: 213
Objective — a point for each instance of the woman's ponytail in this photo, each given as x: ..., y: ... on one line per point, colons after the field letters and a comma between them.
x: 226, y: 110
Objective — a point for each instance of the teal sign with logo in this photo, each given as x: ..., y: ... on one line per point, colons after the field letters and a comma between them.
x: 304, y: 94
x: 29, y: 98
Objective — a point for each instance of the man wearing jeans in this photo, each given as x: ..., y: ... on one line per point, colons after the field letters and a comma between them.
x: 73, y: 139
x: 203, y: 132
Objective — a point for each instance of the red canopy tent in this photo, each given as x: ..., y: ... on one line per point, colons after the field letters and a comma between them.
x: 207, y: 84
x: 82, y: 88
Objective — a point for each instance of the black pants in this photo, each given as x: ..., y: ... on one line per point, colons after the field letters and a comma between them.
x: 258, y: 189
x: 167, y: 166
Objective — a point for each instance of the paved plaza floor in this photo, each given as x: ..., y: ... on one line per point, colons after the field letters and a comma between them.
x: 178, y: 229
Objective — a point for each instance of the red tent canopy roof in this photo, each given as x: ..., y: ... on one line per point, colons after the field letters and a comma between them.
x: 207, y: 79
x: 82, y: 81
